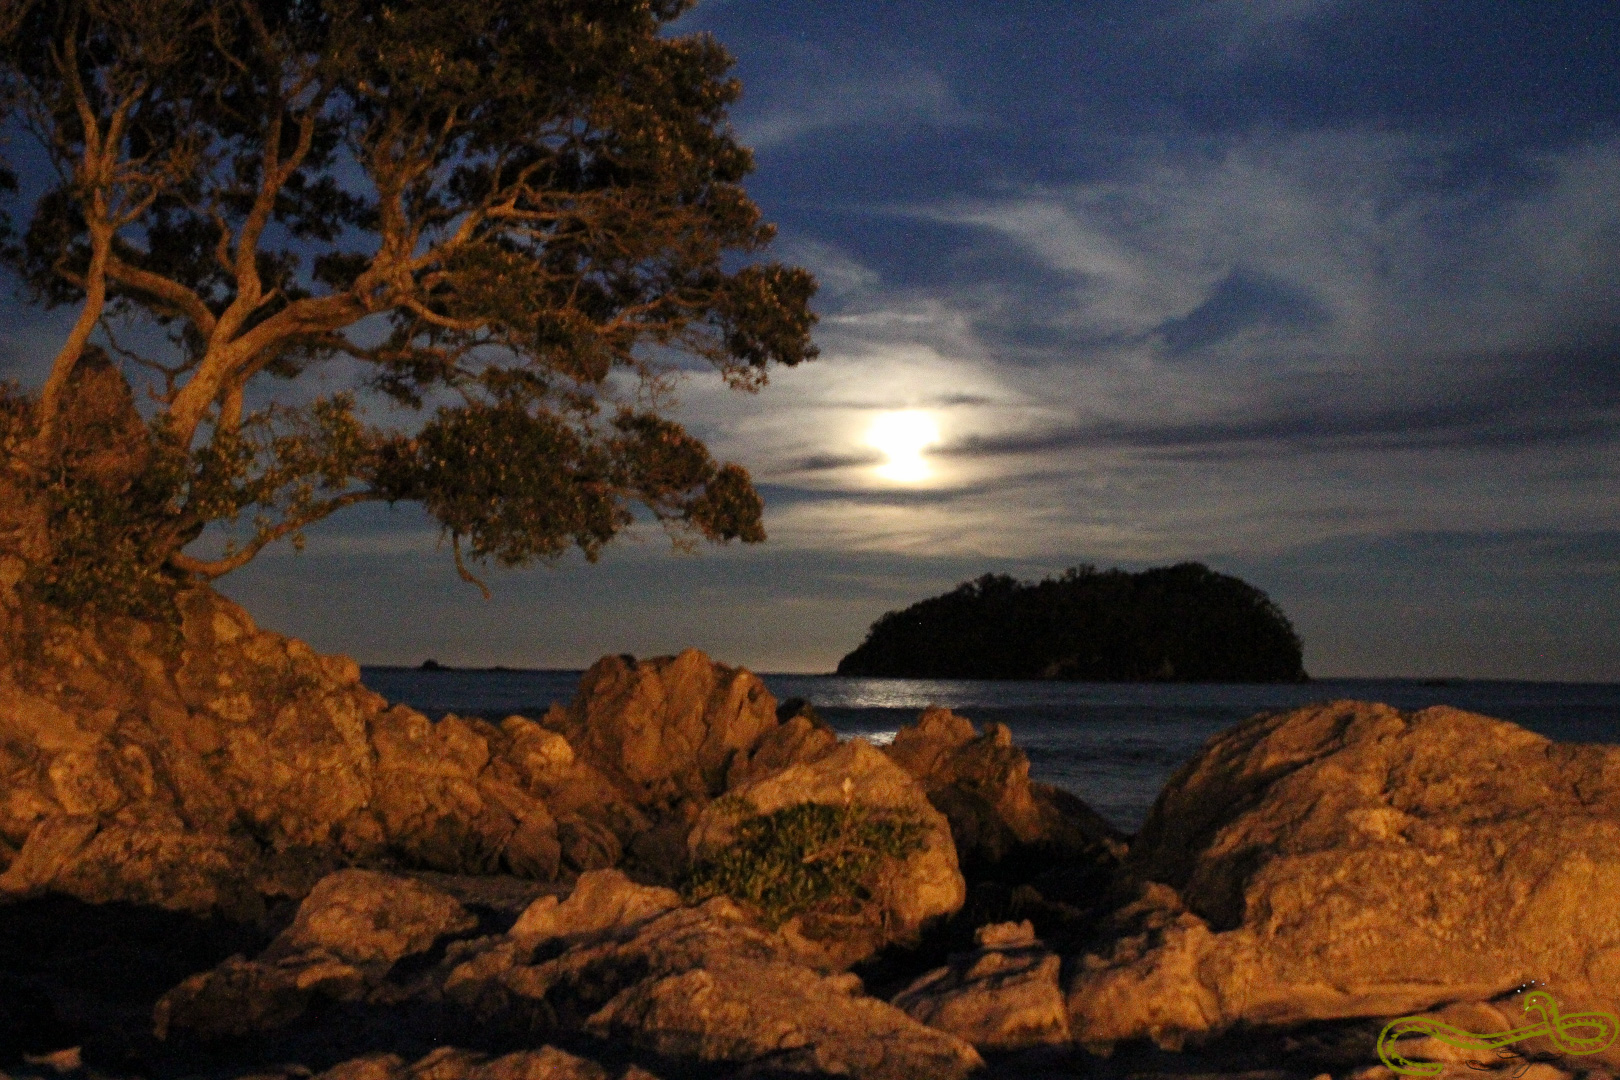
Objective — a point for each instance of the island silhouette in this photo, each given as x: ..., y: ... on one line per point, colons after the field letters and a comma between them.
x: 1181, y: 623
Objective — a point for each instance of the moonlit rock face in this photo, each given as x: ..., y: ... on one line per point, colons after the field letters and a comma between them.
x: 1351, y: 860
x: 364, y: 917
x: 925, y: 886
x: 903, y: 436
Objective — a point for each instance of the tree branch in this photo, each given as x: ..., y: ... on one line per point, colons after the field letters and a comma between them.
x: 95, y: 301
x: 212, y: 569
x: 227, y: 355
x: 461, y: 567
x: 433, y: 318
x: 246, y: 267
x: 230, y: 406
x: 66, y: 63
x: 168, y: 290
x: 311, y: 316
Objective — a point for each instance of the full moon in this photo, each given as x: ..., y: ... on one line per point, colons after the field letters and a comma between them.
x: 902, y: 437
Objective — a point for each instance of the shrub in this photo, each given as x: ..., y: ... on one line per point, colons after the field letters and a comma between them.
x: 803, y: 858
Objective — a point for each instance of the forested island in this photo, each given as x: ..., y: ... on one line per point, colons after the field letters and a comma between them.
x: 1182, y: 623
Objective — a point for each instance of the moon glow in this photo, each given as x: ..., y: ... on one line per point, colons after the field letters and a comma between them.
x: 902, y: 437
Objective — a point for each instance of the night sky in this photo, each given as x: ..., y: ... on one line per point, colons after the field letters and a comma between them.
x: 1323, y: 294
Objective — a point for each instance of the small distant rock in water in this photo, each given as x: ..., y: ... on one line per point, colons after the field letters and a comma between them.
x: 431, y: 664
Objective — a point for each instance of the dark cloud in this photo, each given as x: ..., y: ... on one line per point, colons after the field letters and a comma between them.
x: 1552, y: 398
x: 781, y: 496
x: 829, y: 462
x: 1244, y: 300
x: 924, y: 401
x: 1520, y: 557
x: 1052, y: 87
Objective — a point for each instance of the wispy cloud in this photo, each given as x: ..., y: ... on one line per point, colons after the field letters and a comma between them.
x: 1235, y: 31
x: 824, y: 96
x: 1328, y: 259
x: 1247, y: 345
x: 838, y: 276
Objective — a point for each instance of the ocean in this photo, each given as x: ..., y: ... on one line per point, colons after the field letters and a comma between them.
x: 1112, y: 744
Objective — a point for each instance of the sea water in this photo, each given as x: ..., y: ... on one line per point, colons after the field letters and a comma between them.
x: 1112, y: 744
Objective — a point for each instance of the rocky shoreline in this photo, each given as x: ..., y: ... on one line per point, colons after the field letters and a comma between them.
x: 222, y: 856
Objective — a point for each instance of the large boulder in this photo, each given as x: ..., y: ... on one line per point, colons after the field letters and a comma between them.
x: 616, y: 971
x: 210, y: 764
x: 981, y: 783
x: 603, y: 905
x: 1002, y: 996
x: 601, y: 901
x: 347, y: 935
x: 148, y: 855
x: 800, y: 735
x: 1351, y: 860
x: 205, y: 765
x: 787, y: 1017
x: 648, y: 744
x: 368, y: 918
x: 671, y: 726
x: 703, y: 984
x: 910, y: 893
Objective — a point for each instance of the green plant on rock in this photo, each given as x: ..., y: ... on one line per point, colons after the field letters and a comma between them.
x: 803, y: 858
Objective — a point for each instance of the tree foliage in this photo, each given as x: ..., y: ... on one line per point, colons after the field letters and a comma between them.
x: 1181, y: 623
x: 514, y: 218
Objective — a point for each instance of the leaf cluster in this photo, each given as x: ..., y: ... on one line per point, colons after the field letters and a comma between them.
x: 102, y: 499
x: 115, y: 494
x: 1182, y: 623
x: 521, y: 483
x: 804, y: 858
x: 508, y: 211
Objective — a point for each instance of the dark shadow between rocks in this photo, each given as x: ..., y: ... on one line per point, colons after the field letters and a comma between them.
x: 78, y: 974
x: 496, y: 899
x: 89, y: 975
x: 1299, y: 1052
x: 334, y: 1032
x: 1313, y: 1048
x: 1065, y: 904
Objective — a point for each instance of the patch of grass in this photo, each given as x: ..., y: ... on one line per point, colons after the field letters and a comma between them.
x: 733, y: 805
x: 805, y: 857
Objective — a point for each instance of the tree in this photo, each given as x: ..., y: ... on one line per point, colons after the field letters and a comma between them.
x: 515, y: 218
x: 1183, y: 623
